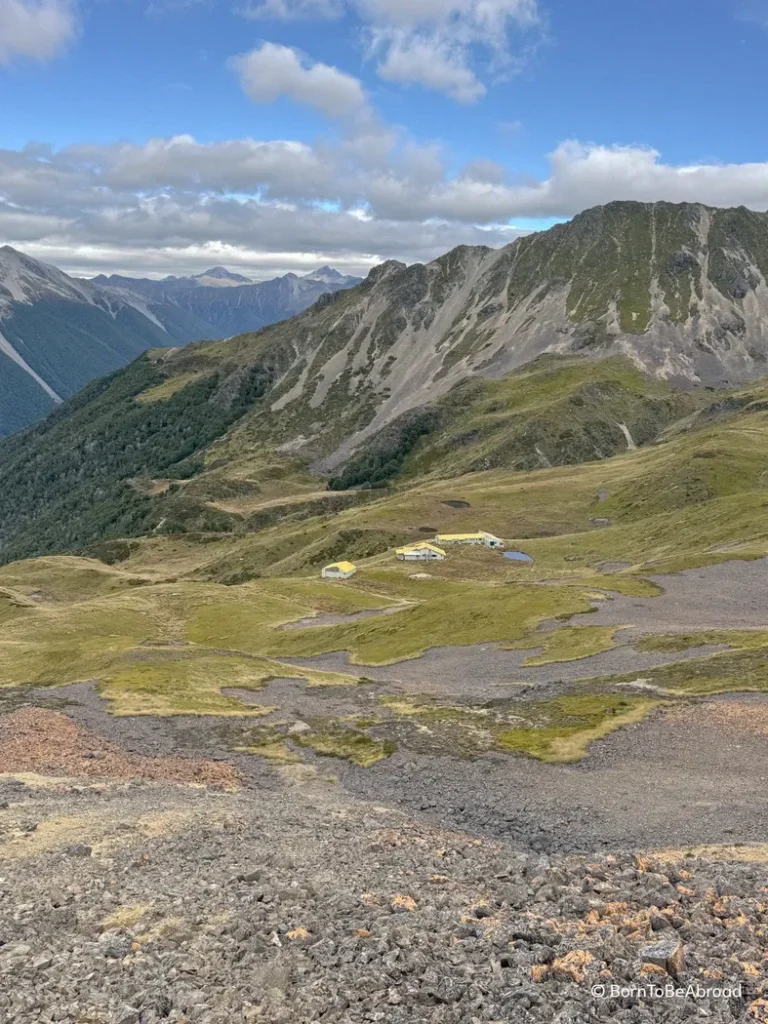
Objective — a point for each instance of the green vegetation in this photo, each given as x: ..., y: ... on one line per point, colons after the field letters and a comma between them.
x: 168, y: 388
x: 555, y: 412
x: 449, y: 614
x: 187, y: 476
x: 272, y: 750
x: 333, y: 740
x: 557, y: 730
x: 135, y: 644
x: 673, y: 643
x: 570, y: 644
x: 65, y: 483
x: 383, y: 460
x: 570, y: 724
x: 741, y: 671
x: 182, y: 686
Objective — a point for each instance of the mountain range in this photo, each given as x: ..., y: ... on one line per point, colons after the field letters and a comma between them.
x: 566, y: 346
x: 58, y: 332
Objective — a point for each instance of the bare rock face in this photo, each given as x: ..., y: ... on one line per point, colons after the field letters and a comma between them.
x: 679, y: 289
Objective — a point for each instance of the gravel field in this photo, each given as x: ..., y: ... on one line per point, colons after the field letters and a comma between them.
x: 484, y: 671
x: 149, y: 873
x: 726, y: 596
x: 704, y: 776
x: 136, y: 902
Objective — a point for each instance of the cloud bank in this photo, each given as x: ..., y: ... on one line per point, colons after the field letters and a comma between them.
x: 269, y: 206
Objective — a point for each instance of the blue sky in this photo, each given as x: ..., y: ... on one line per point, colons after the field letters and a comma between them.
x: 274, y: 134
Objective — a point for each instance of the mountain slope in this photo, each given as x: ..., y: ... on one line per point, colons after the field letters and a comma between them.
x: 419, y: 370
x: 226, y: 303
x: 57, y: 332
x: 679, y: 290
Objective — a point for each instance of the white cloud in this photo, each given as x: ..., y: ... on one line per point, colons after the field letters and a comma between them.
x: 471, y: 19
x: 271, y: 71
x: 429, y: 61
x: 294, y: 10
x: 170, y: 203
x: 39, y: 29
x: 447, y: 46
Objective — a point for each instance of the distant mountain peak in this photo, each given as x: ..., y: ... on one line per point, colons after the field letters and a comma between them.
x: 25, y: 279
x: 325, y: 273
x: 222, y: 274
x: 328, y: 275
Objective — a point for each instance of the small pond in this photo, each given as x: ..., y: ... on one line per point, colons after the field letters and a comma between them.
x: 517, y: 556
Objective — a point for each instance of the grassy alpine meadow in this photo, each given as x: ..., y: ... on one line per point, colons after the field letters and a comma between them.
x: 179, y: 623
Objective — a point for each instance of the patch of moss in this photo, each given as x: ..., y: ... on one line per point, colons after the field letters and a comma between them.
x: 569, y: 725
x: 330, y: 740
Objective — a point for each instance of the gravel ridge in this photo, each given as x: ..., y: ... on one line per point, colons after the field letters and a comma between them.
x: 138, y: 902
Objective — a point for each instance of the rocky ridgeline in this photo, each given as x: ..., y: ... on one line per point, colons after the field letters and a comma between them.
x: 135, y: 902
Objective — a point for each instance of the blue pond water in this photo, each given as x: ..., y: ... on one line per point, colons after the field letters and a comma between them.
x: 517, y: 556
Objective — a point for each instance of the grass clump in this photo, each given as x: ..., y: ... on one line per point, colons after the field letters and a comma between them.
x: 569, y: 725
x: 347, y: 744
x: 674, y: 643
x: 570, y: 644
x: 273, y: 750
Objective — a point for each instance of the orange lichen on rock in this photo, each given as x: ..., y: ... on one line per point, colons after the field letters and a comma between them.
x: 573, y: 966
x: 407, y: 903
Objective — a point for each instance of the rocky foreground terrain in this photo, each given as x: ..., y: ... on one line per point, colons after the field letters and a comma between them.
x: 138, y: 889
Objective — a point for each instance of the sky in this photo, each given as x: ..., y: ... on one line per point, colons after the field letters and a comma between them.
x: 154, y: 137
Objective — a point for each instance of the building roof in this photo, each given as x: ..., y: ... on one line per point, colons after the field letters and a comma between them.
x: 461, y: 536
x: 419, y: 546
x: 342, y: 566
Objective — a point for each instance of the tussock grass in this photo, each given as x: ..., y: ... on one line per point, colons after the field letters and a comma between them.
x: 674, y: 643
x: 569, y: 725
x: 348, y: 745
x: 65, y: 578
x: 569, y: 644
x: 449, y: 614
x: 167, y: 389
x: 272, y: 750
x: 189, y: 686
x: 740, y: 671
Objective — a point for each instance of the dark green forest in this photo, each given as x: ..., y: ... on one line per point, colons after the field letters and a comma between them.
x: 65, y: 483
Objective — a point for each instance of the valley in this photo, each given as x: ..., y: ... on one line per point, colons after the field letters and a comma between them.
x: 232, y: 762
x: 58, y: 332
